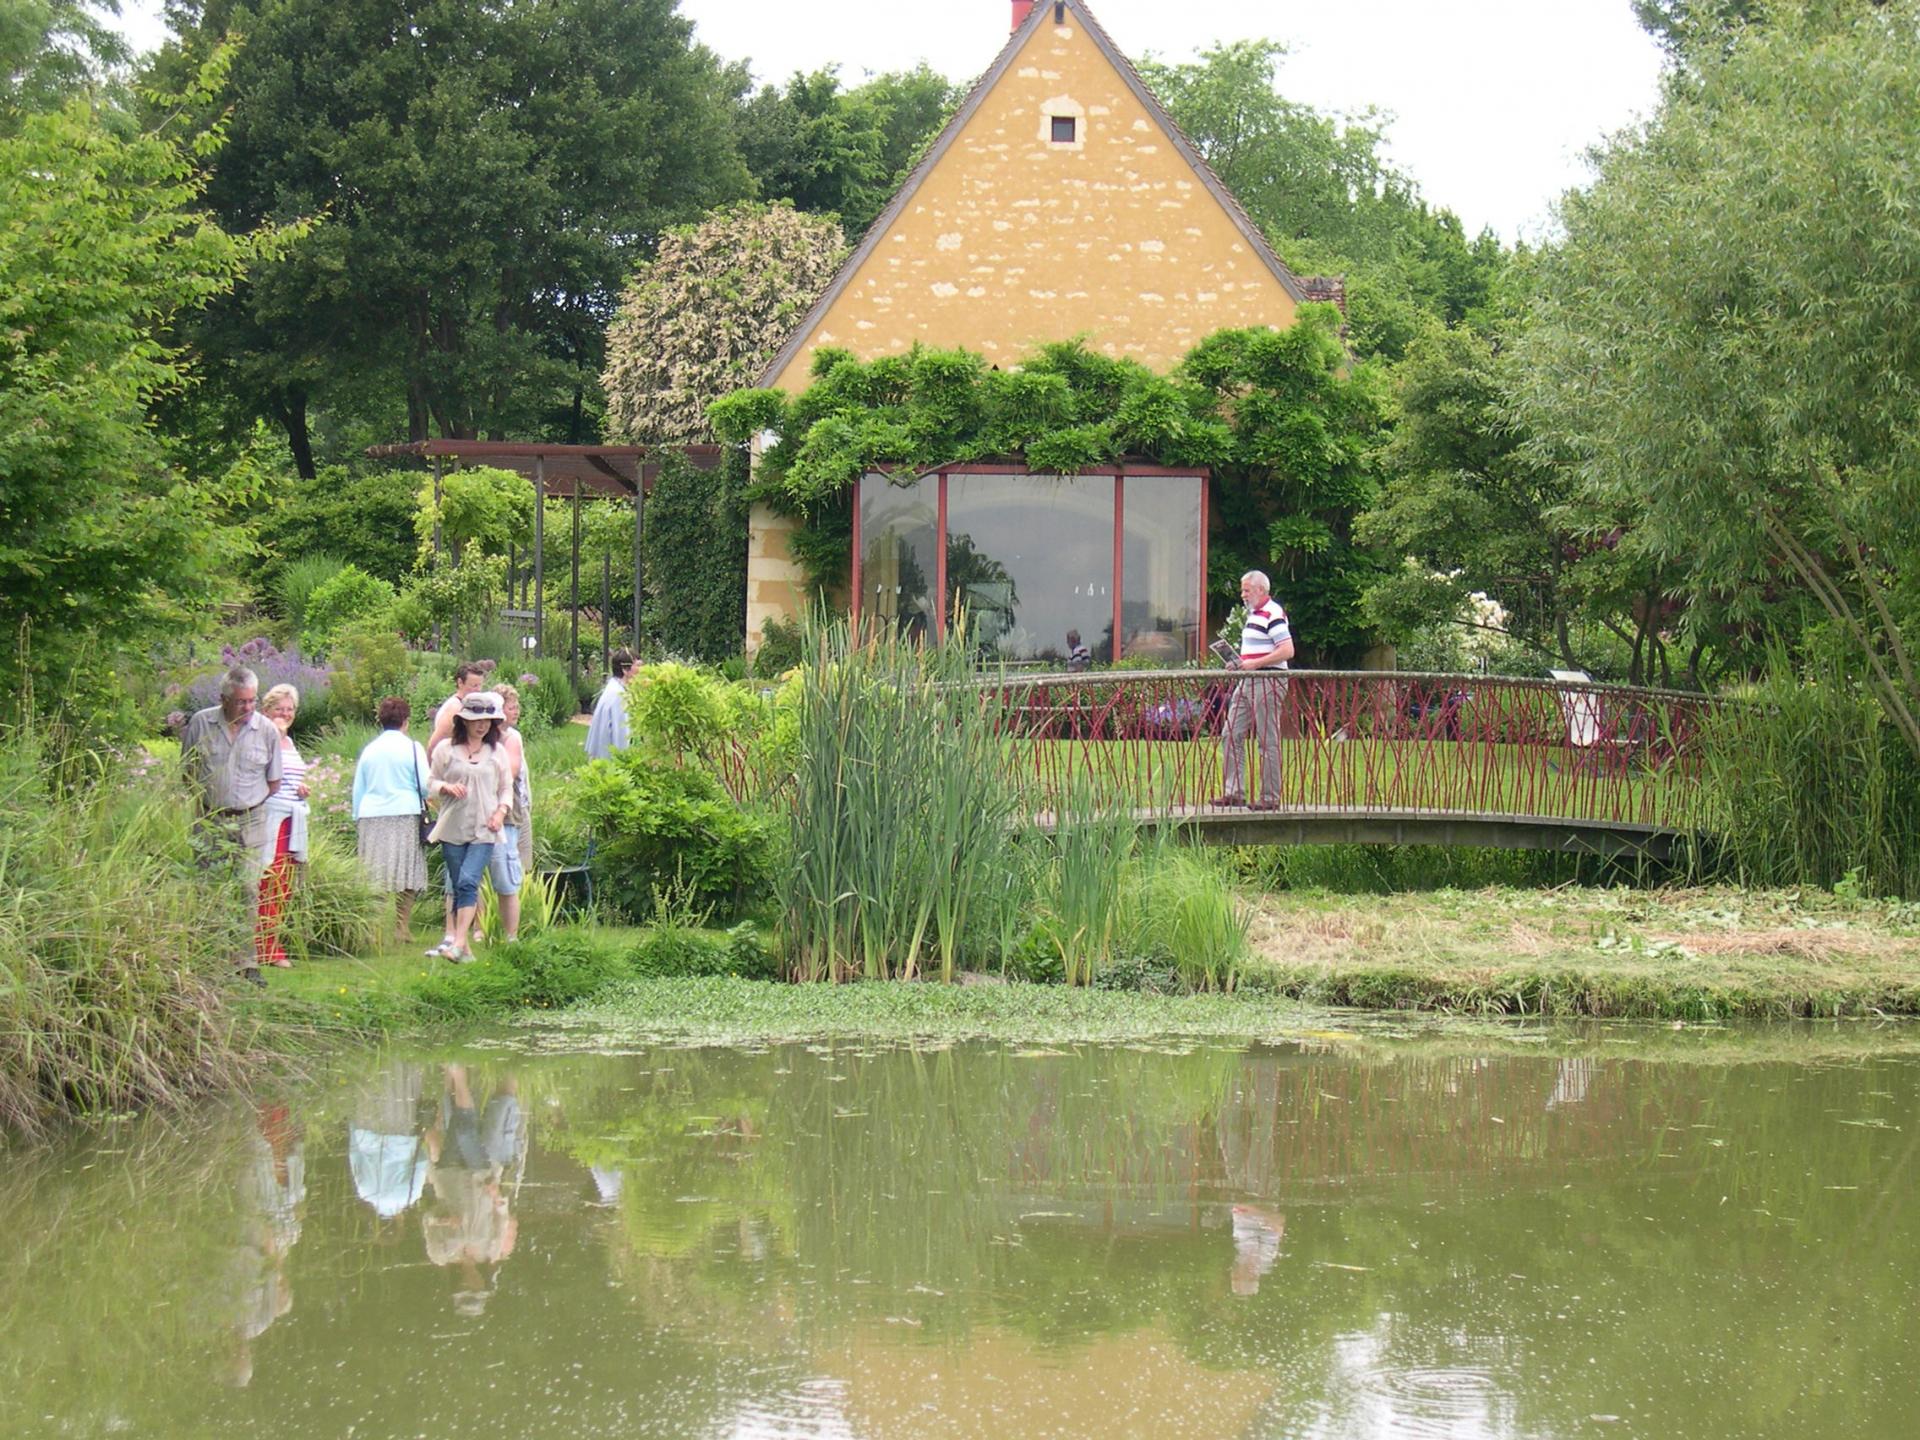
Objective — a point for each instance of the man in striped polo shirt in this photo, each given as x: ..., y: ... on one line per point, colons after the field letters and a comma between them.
x: 1266, y: 644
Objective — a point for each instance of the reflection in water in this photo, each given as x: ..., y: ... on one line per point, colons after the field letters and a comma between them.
x: 476, y: 1158
x: 842, y: 1240
x: 1257, y: 1232
x: 272, y: 1189
x: 386, y: 1145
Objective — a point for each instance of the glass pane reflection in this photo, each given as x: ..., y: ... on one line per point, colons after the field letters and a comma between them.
x: 1031, y: 557
x: 898, y: 525
x: 1160, y: 585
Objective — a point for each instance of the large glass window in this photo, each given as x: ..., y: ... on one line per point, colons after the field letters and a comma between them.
x: 1031, y: 558
x: 1160, y: 583
x: 899, y: 549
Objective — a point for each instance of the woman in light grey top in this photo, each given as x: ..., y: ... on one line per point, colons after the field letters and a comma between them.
x: 473, y: 786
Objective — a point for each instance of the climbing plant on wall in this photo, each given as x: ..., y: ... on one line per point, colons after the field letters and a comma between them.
x: 1284, y: 419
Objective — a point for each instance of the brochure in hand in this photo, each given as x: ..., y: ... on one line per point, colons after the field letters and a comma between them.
x: 1226, y: 654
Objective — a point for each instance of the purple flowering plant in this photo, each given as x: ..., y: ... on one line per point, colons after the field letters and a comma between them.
x: 274, y: 666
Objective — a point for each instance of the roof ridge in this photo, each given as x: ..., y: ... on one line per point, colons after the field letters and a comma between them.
x: 1016, y: 38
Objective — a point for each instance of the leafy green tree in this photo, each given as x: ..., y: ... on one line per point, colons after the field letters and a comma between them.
x: 704, y: 316
x: 1726, y: 338
x: 1476, y: 510
x: 1324, y: 194
x: 51, y: 51
x: 367, y: 514
x: 103, y: 545
x: 489, y: 175
x: 841, y: 152
x: 480, y: 507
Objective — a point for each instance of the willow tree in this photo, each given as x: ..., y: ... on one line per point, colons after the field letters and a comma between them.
x: 1728, y: 339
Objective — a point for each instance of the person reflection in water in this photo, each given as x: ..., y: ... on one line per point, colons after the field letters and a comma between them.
x: 385, y: 1145
x: 272, y: 1192
x: 1257, y: 1232
x: 475, y: 1159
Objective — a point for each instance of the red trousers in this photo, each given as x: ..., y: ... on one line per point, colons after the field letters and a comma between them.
x: 275, y: 886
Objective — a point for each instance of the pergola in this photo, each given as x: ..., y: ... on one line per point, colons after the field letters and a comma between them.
x: 565, y: 472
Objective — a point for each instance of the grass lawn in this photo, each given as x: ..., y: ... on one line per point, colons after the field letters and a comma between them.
x: 1672, y: 953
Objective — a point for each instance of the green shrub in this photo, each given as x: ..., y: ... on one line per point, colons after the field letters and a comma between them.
x: 331, y: 911
x: 659, y: 825
x: 1810, y: 785
x: 676, y: 951
x: 294, y: 586
x: 782, y: 646
x: 1184, y: 916
x: 348, y: 596
x: 677, y: 710
x: 370, y: 663
x: 549, y: 970
x: 696, y: 551
x: 116, y: 954
x: 549, y: 691
x: 366, y: 514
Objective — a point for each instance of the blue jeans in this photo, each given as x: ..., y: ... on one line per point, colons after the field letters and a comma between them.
x: 465, y: 865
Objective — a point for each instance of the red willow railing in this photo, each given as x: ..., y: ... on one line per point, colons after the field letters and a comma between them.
x: 1368, y: 741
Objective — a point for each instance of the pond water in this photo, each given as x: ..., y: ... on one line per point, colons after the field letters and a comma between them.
x: 1334, y: 1237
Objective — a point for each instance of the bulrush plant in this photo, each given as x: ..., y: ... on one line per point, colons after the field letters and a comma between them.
x: 1082, y: 881
x: 1811, y: 785
x: 902, y: 809
x: 116, y: 955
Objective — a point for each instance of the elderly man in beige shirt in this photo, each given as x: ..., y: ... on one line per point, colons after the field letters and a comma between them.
x: 231, y: 754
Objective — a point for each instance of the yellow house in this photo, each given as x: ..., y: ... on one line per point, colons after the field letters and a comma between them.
x: 1060, y: 200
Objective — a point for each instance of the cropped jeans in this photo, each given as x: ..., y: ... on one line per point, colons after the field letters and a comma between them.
x: 466, y: 864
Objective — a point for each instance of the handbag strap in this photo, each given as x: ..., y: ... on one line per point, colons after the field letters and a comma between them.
x: 413, y: 763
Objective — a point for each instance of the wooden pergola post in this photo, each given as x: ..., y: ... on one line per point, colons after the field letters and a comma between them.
x: 539, y: 555
x: 573, y: 646
x: 436, y: 537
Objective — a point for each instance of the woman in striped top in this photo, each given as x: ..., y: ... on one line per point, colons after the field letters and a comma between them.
x: 286, y: 844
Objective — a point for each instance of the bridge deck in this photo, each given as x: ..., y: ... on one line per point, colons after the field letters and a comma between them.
x: 1335, y: 825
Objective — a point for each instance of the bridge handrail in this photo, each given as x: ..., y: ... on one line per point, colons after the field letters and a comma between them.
x: 1461, y: 680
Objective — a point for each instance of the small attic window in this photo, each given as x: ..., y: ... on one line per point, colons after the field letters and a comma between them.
x: 1063, y: 129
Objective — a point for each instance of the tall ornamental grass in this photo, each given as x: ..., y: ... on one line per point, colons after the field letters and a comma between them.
x: 916, y: 849
x: 116, y: 955
x: 901, y: 811
x: 1810, y: 785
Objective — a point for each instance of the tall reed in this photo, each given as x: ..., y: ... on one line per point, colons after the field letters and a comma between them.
x: 1809, y: 785
x: 900, y: 814
x: 1082, y: 883
x: 116, y: 954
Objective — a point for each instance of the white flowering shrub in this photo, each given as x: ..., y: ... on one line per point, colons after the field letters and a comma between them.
x: 703, y: 318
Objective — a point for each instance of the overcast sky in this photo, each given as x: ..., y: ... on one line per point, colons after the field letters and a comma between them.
x: 1494, y: 102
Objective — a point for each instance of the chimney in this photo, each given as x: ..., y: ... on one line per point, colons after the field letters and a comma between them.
x: 1021, y: 9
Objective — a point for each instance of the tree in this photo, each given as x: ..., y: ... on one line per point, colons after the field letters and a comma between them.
x: 705, y: 316
x: 103, y: 545
x: 1726, y: 338
x: 51, y: 51
x: 1477, y: 510
x: 488, y: 175
x: 1324, y: 194
x: 841, y: 152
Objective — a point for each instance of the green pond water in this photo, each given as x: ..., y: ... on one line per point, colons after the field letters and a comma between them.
x: 1335, y: 1237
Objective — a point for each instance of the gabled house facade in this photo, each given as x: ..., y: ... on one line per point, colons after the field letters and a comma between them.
x: 1060, y: 201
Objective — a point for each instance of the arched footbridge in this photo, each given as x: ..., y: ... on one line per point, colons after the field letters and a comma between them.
x: 1371, y: 757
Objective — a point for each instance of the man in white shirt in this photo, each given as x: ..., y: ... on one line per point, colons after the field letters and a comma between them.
x: 468, y: 676
x: 608, y: 732
x: 1266, y: 644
